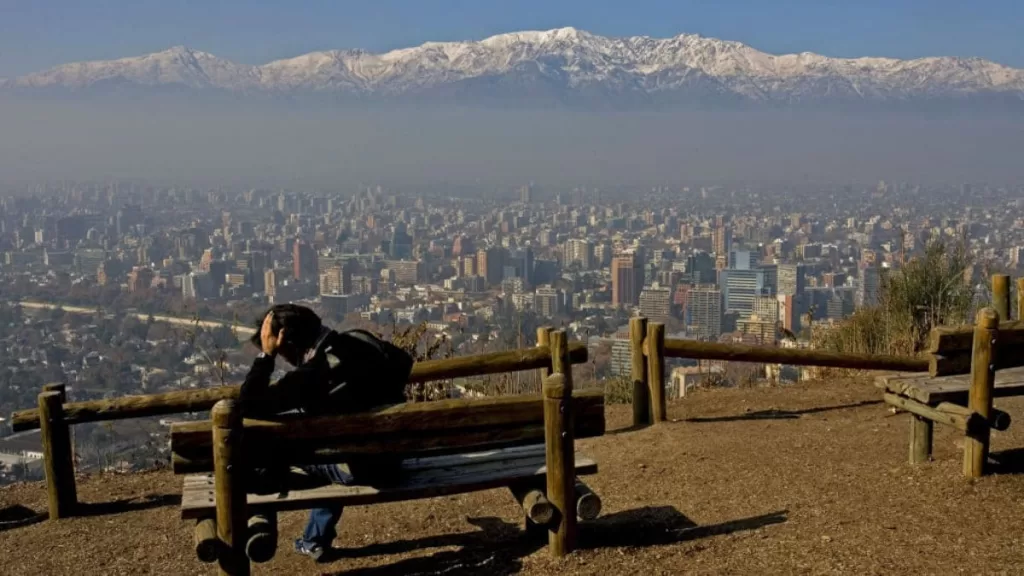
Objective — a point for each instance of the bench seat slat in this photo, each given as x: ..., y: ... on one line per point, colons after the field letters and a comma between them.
x: 454, y: 474
x: 952, y: 389
x: 430, y: 463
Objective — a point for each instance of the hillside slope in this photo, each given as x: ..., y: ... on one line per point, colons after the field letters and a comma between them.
x: 810, y: 479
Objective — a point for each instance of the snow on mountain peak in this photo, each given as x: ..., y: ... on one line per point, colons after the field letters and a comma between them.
x: 565, y: 57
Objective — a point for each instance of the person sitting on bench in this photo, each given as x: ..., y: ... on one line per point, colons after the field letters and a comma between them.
x: 335, y: 373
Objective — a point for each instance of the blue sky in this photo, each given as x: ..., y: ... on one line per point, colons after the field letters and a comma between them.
x: 36, y: 34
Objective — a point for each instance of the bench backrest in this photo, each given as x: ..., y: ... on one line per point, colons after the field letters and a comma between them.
x: 405, y: 430
x: 950, y: 348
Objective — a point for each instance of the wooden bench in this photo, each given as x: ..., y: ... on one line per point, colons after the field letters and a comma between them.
x: 969, y: 366
x: 447, y: 447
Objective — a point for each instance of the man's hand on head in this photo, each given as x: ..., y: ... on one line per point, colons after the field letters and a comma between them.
x: 268, y: 341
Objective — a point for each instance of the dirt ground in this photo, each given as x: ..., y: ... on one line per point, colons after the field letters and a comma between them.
x: 811, y: 479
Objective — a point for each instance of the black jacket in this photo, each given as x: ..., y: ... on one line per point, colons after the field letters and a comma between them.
x: 346, y: 372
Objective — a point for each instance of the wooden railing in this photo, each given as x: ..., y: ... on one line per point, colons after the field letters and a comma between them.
x: 55, y: 415
x: 650, y: 348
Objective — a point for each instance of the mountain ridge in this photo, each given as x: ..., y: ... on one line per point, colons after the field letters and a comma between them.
x: 562, y: 63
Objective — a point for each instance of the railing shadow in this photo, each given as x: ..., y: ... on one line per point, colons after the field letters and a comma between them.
x: 781, y: 414
x: 499, y: 547
x: 125, y: 505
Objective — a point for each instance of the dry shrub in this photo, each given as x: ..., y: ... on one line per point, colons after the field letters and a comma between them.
x: 930, y: 291
x: 618, y: 390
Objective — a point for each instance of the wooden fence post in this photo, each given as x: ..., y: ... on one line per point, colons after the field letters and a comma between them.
x: 60, y: 469
x: 1020, y: 299
x: 57, y: 387
x: 544, y: 339
x: 638, y: 372
x: 1001, y: 295
x: 229, y: 487
x: 560, y: 453
x: 655, y: 348
x: 983, y: 377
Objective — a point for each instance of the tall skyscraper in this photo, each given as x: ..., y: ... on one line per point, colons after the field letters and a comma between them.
x: 656, y: 303
x: 740, y: 287
x: 490, y: 263
x: 721, y: 240
x: 401, y: 242
x: 869, y: 285
x: 526, y: 194
x: 304, y: 263
x: 549, y: 301
x: 791, y: 279
x: 742, y: 259
x: 578, y: 252
x: 270, y: 283
x: 705, y: 312
x: 627, y: 279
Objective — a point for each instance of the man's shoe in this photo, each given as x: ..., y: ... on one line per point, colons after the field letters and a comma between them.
x: 311, y: 549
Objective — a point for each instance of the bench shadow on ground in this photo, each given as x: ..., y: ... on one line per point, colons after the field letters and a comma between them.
x: 498, y: 547
x: 125, y: 505
x: 781, y: 414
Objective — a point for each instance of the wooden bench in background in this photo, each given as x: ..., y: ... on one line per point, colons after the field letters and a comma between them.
x: 969, y: 366
x: 524, y: 443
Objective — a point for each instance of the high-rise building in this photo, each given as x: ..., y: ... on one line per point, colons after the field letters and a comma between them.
x: 526, y: 194
x: 333, y: 281
x: 701, y: 267
x: 270, y: 283
x: 791, y: 279
x: 304, y: 261
x: 742, y: 260
x: 656, y: 303
x: 549, y: 301
x: 721, y: 240
x: 401, y: 242
x: 869, y: 286
x: 579, y: 252
x: 740, y: 287
x: 791, y: 310
x: 405, y: 271
x: 627, y: 279
x: 766, y: 308
x: 462, y: 246
x: 139, y: 279
x: 705, y: 312
x: 490, y: 263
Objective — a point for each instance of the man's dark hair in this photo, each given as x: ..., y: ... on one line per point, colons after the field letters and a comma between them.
x: 301, y: 325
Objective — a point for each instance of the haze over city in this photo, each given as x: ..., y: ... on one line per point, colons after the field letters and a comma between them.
x: 659, y: 93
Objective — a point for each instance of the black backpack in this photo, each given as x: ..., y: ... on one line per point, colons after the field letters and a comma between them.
x: 365, y: 371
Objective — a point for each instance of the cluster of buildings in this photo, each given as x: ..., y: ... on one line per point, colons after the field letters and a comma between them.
x: 713, y: 263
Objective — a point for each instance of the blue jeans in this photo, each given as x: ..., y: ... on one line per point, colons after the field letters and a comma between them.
x: 322, y: 526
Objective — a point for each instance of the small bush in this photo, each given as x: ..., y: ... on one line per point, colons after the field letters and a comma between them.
x: 618, y: 391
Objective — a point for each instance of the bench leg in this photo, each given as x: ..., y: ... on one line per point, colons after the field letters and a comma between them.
x: 588, y: 504
x: 262, y: 537
x: 921, y: 430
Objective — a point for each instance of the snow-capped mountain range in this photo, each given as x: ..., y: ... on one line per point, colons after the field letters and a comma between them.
x: 561, y: 64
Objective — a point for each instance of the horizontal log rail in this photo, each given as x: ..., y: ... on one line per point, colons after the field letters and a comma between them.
x: 186, y: 401
x: 675, y: 348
